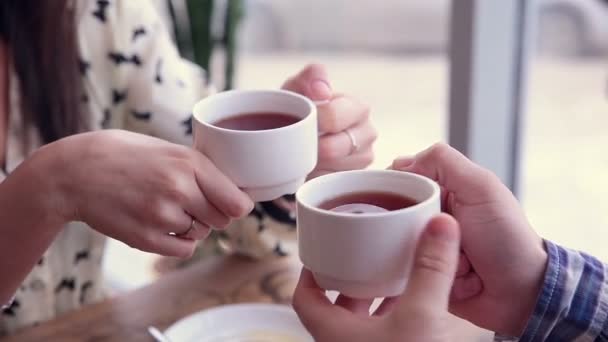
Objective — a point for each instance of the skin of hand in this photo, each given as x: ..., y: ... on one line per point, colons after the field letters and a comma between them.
x: 419, y: 314
x: 336, y: 114
x: 140, y: 190
x: 503, y: 261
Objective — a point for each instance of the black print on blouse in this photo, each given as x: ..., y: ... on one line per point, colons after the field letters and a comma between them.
x: 278, y: 250
x: 37, y: 285
x: 81, y: 256
x: 102, y: 10
x: 105, y: 122
x: 66, y: 283
x: 188, y: 125
x: 118, y: 96
x: 222, y: 234
x: 181, y: 84
x: 83, y: 66
x: 11, y: 309
x: 41, y: 261
x: 84, y: 98
x: 119, y: 58
x: 84, y: 289
x: 141, y: 115
x: 277, y: 213
x: 158, y: 78
x: 139, y: 32
x: 259, y: 217
x: 257, y: 213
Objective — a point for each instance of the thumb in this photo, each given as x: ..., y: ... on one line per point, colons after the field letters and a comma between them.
x: 434, y: 267
x: 453, y: 171
x: 311, y: 82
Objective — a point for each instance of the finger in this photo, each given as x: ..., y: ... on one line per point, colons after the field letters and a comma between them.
x: 168, y: 245
x: 204, y: 211
x: 318, y: 173
x: 464, y: 265
x: 171, y: 219
x: 354, y: 305
x: 359, y: 160
x: 311, y: 82
x: 158, y: 235
x: 402, y: 162
x: 339, y: 145
x: 466, y: 287
x: 467, y: 298
x: 312, y: 305
x: 199, y: 231
x: 454, y: 171
x: 405, y: 163
x: 219, y: 190
x: 341, y: 113
x: 435, y: 263
x: 386, y: 306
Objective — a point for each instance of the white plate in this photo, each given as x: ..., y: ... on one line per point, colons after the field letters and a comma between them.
x: 240, y: 323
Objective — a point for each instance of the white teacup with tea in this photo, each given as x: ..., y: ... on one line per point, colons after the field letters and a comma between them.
x: 265, y: 141
x: 358, y: 230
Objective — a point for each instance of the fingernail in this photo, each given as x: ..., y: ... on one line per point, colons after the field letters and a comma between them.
x: 320, y: 90
x: 321, y: 102
x: 442, y: 230
x: 441, y: 233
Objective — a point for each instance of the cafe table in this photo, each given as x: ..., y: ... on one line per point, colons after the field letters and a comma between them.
x: 206, y: 284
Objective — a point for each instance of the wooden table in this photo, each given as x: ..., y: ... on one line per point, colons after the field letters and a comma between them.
x: 210, y: 283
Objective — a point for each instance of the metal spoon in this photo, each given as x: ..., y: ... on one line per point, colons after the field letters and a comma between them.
x: 158, y: 335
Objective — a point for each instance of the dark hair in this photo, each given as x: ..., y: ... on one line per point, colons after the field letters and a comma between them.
x: 43, y: 46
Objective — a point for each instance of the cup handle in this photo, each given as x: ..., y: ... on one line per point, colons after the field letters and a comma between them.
x: 319, y: 104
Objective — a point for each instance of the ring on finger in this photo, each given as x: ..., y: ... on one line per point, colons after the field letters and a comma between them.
x: 190, y: 228
x: 354, y: 145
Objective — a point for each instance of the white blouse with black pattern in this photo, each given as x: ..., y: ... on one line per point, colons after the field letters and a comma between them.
x: 135, y: 80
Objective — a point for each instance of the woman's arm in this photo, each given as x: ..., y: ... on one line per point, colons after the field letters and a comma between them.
x: 30, y: 217
x: 133, y: 188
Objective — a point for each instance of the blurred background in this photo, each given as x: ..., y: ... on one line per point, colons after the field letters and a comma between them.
x: 394, y: 55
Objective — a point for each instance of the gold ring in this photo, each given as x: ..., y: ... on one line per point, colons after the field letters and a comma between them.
x: 191, y: 228
x: 354, y: 146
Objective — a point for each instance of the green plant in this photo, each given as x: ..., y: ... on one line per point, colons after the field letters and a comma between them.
x: 197, y: 42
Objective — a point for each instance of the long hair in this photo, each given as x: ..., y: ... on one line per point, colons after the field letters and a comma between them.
x: 43, y: 47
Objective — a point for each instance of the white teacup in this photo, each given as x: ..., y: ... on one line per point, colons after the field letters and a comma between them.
x: 366, y: 255
x: 266, y: 164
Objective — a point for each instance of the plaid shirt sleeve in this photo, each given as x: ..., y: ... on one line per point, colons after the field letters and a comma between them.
x: 573, y: 303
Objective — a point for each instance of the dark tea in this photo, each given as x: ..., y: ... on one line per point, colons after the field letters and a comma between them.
x: 363, y: 202
x: 257, y: 121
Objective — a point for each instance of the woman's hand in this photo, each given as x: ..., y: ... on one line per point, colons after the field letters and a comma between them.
x: 152, y: 195
x: 347, y: 133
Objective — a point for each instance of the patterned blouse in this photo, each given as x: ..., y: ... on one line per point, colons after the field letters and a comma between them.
x: 134, y: 79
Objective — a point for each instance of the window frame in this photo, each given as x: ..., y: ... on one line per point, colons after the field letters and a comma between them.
x: 489, y: 54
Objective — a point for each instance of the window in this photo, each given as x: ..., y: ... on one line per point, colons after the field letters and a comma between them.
x: 536, y: 113
x: 565, y: 161
x: 391, y: 56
